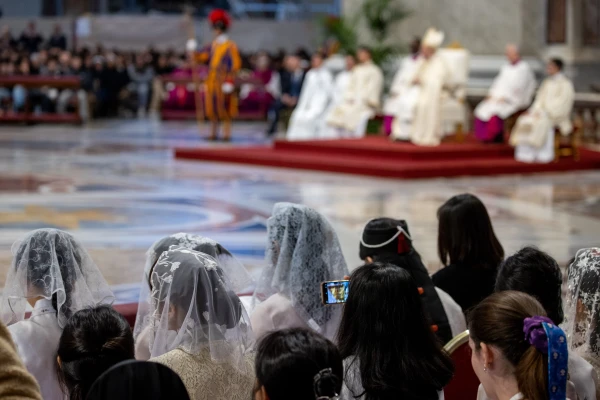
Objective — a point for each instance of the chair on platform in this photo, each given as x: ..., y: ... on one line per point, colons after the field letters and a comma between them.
x: 454, y: 105
x: 510, y: 122
x: 464, y: 384
x: 567, y: 146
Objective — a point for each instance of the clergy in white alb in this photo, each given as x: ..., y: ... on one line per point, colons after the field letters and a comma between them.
x: 306, y: 120
x: 340, y: 85
x: 420, y: 115
x: 362, y: 98
x: 400, y: 86
x: 511, y: 91
x: 533, y: 135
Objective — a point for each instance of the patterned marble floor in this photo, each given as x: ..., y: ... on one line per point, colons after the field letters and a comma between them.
x: 116, y: 186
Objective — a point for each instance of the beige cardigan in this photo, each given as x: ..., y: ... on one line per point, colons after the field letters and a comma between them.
x: 15, y: 382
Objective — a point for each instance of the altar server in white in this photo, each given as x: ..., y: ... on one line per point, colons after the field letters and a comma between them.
x: 511, y: 91
x: 308, y: 115
x: 533, y: 135
x: 400, y: 86
x: 340, y: 86
x: 420, y: 116
x: 362, y: 98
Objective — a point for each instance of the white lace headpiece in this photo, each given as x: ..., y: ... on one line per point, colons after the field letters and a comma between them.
x: 52, y: 264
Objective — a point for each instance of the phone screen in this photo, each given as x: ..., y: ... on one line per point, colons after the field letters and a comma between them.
x: 334, y: 292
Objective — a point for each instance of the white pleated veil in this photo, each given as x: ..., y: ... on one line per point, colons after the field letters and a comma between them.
x: 303, y: 251
x: 582, y: 316
x: 50, y: 263
x: 192, y: 306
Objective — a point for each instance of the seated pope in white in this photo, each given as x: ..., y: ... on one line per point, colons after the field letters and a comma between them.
x: 533, y: 135
x: 315, y: 96
x: 401, y: 85
x: 362, y: 99
x: 511, y: 91
x: 420, y: 118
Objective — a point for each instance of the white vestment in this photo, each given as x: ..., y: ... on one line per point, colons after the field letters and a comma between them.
x: 401, y: 86
x: 533, y: 135
x: 511, y: 91
x: 361, y: 101
x: 420, y: 118
x: 36, y: 340
x: 339, y: 90
x: 454, y: 313
x: 311, y: 109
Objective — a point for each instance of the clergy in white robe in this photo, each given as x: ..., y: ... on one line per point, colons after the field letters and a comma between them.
x: 400, y: 85
x: 362, y: 98
x: 420, y: 115
x: 306, y: 120
x: 340, y: 86
x: 533, y: 135
x: 511, y: 91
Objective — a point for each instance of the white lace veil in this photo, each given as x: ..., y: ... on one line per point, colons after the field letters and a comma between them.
x: 193, y: 307
x: 303, y: 251
x: 237, y: 274
x: 50, y: 263
x: 582, y: 317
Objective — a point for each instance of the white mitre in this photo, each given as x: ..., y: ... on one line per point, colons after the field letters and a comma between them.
x: 433, y: 38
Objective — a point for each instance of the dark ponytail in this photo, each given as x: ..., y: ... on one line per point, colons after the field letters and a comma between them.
x: 92, y: 341
x: 326, y: 384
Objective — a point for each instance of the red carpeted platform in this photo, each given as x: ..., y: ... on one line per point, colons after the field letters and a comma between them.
x: 377, y: 156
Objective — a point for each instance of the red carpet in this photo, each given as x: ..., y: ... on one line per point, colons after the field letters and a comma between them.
x: 377, y: 156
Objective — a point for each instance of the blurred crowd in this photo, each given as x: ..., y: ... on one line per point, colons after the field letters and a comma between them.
x: 113, y: 82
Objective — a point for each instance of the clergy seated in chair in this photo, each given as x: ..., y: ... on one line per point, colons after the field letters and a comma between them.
x: 392, y: 107
x: 340, y: 86
x: 306, y: 120
x: 263, y: 88
x: 361, y: 100
x: 420, y: 108
x: 511, y: 91
x: 454, y: 109
x: 533, y: 135
x: 180, y: 96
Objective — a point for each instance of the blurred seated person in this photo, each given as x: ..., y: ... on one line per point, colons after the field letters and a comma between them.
x: 361, y: 100
x: 260, y: 96
x: 533, y: 135
x: 510, y: 92
x: 69, y: 95
x: 163, y: 66
x: 292, y: 79
x: 180, y: 96
x: 7, y: 41
x: 419, y: 112
x: 340, y: 85
x: 30, y: 40
x: 57, y: 40
x: 141, y: 75
x: 38, y: 100
x: 312, y: 104
x: 400, y: 85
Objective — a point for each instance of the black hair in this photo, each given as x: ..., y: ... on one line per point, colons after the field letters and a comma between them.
x: 43, y: 246
x: 386, y: 333
x: 536, y: 273
x: 298, y: 364
x: 92, y: 341
x: 466, y: 235
x: 558, y: 62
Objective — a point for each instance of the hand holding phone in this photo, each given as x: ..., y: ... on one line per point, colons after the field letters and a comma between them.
x: 335, y: 292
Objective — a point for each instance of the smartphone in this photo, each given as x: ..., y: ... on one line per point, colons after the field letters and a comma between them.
x: 334, y: 292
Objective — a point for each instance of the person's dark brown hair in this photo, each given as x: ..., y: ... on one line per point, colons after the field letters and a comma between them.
x: 466, y: 235
x: 498, y: 321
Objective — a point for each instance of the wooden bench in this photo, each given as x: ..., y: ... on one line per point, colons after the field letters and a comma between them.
x: 36, y: 82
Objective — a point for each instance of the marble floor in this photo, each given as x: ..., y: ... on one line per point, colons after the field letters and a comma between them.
x: 117, y: 187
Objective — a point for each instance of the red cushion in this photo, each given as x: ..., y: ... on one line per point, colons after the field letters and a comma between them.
x: 465, y: 383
